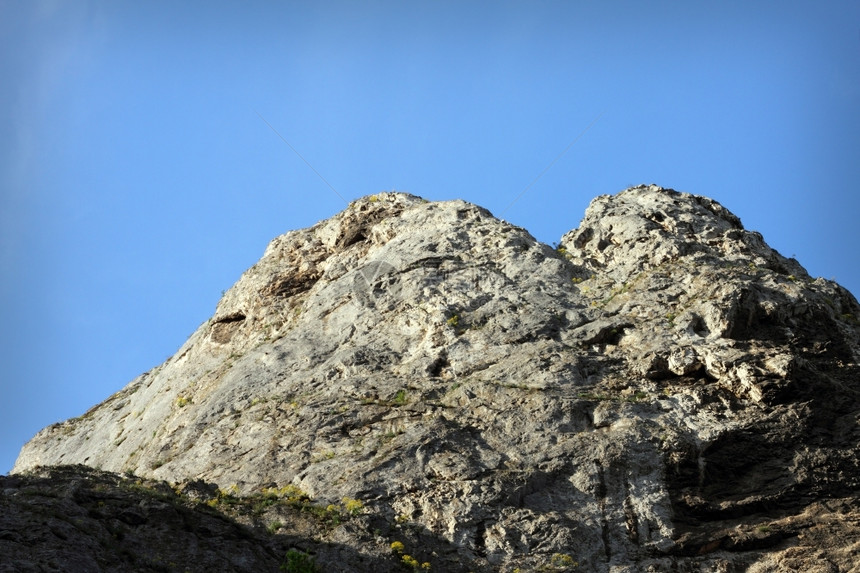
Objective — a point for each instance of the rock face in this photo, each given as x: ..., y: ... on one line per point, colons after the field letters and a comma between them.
x: 663, y: 390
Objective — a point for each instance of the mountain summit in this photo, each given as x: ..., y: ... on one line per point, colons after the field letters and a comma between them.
x: 662, y: 390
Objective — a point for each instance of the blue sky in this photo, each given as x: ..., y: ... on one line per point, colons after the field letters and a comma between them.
x: 137, y: 181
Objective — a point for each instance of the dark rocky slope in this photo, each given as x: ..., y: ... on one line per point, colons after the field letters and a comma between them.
x: 663, y: 391
x: 77, y: 519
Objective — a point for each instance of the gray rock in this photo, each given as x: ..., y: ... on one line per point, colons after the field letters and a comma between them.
x: 663, y: 390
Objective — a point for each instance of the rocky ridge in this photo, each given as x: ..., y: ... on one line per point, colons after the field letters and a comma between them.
x: 662, y: 390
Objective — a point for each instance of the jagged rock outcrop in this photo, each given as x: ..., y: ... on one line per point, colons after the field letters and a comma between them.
x: 663, y: 390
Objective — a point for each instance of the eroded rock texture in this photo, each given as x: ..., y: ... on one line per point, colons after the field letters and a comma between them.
x: 661, y: 391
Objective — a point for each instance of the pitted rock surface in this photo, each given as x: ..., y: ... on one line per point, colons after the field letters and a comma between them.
x: 663, y: 390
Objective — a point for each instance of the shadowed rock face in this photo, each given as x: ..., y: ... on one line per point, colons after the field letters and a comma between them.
x: 663, y: 390
x: 80, y: 520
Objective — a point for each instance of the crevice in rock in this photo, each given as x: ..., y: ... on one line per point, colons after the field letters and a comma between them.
x: 225, y: 327
x: 291, y: 285
x: 480, y: 538
x: 631, y: 521
x: 603, y: 331
x: 438, y: 365
x: 356, y: 237
x: 232, y: 317
x: 601, y: 500
x: 699, y: 326
x: 583, y: 237
x: 533, y: 481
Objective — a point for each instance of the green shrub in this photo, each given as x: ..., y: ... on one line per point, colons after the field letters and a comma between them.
x: 559, y: 562
x: 298, y: 562
x: 352, y: 506
x: 274, y: 526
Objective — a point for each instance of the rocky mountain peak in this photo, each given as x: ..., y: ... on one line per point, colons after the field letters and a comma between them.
x: 647, y: 226
x: 661, y: 390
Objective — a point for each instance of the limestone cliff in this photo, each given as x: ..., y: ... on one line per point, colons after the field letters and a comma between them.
x: 662, y: 390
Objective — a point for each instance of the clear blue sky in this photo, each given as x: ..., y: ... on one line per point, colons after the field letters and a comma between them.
x: 137, y: 181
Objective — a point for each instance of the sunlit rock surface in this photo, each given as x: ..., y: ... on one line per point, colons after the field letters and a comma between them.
x: 662, y: 390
